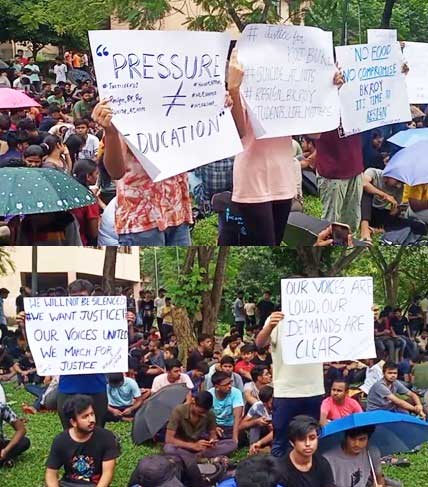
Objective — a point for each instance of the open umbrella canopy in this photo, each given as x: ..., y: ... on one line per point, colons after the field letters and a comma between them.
x: 155, y: 412
x: 26, y: 191
x: 12, y: 99
x: 406, y: 138
x: 410, y: 165
x: 394, y: 433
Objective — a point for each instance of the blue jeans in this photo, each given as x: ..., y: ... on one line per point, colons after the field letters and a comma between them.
x: 37, y: 391
x: 171, y: 237
x: 284, y: 410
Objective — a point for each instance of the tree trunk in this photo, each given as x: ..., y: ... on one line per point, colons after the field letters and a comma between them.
x: 185, y: 336
x: 205, y: 255
x: 189, y: 260
x: 109, y: 270
x: 387, y: 14
x: 35, y: 49
x: 391, y: 279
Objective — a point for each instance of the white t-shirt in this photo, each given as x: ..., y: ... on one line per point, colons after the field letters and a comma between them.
x: 60, y: 71
x: 250, y: 308
x: 162, y: 381
x: 90, y: 149
x: 293, y: 381
x: 2, y: 395
x: 373, y: 375
x: 159, y: 304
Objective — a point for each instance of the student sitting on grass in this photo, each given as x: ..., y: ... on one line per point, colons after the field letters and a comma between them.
x: 339, y: 404
x: 259, y: 421
x: 124, y: 397
x: 87, y: 452
x: 10, y: 449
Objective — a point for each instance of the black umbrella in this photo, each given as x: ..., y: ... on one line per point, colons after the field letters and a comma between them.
x: 155, y: 412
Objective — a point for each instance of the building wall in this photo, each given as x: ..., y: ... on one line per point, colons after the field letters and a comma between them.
x: 70, y: 261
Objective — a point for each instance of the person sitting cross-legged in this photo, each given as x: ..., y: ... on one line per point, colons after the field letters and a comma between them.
x: 10, y: 449
x: 173, y: 375
x: 339, y: 404
x: 87, y: 452
x: 354, y: 463
x: 258, y: 421
x: 192, y: 434
x: 124, y: 397
x: 383, y: 394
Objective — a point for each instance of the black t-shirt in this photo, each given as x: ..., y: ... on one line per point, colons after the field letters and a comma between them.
x: 19, y: 302
x: 194, y: 358
x: 6, y: 362
x: 266, y: 362
x: 265, y: 309
x: 399, y: 325
x: 415, y: 310
x: 320, y: 474
x: 26, y: 363
x: 147, y: 307
x: 82, y: 462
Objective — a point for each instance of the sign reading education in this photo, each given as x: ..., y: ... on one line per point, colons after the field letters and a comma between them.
x: 77, y: 335
x: 327, y: 319
x: 375, y: 92
x: 167, y: 92
x: 288, y: 83
x: 416, y: 56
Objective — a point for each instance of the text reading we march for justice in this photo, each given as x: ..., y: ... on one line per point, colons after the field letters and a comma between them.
x: 327, y: 320
x: 167, y: 92
x: 77, y: 335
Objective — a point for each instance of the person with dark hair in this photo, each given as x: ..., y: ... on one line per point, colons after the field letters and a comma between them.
x: 258, y: 421
x: 88, y: 217
x: 83, y: 108
x: 24, y: 292
x: 239, y: 312
x: 146, y: 310
x: 203, y: 351
x: 93, y: 385
x: 298, y: 389
x: 166, y: 327
x: 232, y: 345
x: 33, y: 156
x: 10, y: 449
x: 228, y: 405
x: 197, y: 376
x: 157, y: 471
x: 4, y: 293
x: 260, y: 377
x: 263, y: 357
x: 17, y: 143
x: 384, y: 394
x: 74, y: 145
x: 87, y: 453
x: 92, y: 144
x: 416, y: 317
x: 57, y: 155
x: 339, y: 404
x: 124, y: 397
x: 57, y: 97
x: 173, y: 375
x: 192, y: 433
x: 302, y: 465
x: 258, y: 471
x: 244, y: 365
x: 227, y: 364
x: 354, y: 462
x: 264, y: 308
x: 53, y: 117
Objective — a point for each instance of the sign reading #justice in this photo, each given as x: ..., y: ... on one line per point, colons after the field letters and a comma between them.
x: 167, y: 92
x: 327, y: 319
x: 77, y: 335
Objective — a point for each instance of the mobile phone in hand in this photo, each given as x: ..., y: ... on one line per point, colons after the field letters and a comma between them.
x: 340, y: 234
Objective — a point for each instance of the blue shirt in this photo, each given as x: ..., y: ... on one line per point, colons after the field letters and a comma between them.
x: 223, y: 408
x: 196, y: 383
x: 82, y: 384
x: 123, y: 395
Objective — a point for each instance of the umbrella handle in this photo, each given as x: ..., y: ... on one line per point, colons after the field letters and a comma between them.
x: 372, y: 469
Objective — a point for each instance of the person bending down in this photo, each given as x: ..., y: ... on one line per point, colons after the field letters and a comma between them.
x: 87, y: 452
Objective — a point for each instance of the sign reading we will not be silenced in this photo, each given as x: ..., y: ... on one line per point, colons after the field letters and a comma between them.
x: 327, y: 320
x: 167, y: 91
x: 288, y: 83
x: 375, y: 92
x: 77, y: 335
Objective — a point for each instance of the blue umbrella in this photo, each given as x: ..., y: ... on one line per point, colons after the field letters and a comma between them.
x: 409, y: 137
x: 410, y: 165
x: 395, y: 432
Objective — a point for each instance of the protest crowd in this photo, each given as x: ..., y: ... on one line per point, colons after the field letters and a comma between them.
x: 69, y: 130
x: 232, y: 392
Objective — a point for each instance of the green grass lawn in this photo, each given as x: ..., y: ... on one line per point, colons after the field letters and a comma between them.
x: 42, y: 428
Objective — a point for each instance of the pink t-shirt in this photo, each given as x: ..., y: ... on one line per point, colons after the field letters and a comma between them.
x: 162, y: 381
x: 335, y: 411
x: 264, y: 170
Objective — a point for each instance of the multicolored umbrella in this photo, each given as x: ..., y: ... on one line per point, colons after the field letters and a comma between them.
x: 12, y: 99
x: 29, y: 191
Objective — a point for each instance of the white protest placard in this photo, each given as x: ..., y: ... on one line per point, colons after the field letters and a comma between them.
x: 375, y: 92
x: 416, y: 56
x: 381, y: 36
x: 288, y: 83
x: 77, y: 335
x: 327, y: 320
x: 167, y: 92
